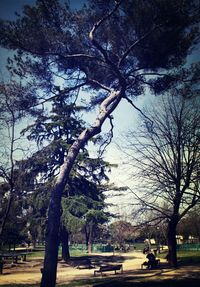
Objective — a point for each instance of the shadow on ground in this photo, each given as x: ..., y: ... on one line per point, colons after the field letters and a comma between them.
x: 164, y: 283
x: 96, y: 260
x: 142, y: 278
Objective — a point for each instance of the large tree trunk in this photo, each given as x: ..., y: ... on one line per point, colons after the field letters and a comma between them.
x: 86, y: 238
x: 6, y: 213
x: 171, y: 238
x: 52, y: 241
x: 52, y: 238
x: 90, y: 241
x: 64, y: 236
x: 89, y: 237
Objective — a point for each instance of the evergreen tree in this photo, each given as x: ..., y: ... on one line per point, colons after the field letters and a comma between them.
x: 54, y: 132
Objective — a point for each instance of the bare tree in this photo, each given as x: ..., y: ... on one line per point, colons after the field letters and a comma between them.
x: 165, y: 157
x: 13, y: 107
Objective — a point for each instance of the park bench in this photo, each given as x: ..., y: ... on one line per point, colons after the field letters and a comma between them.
x: 107, y: 268
x: 151, y: 265
x: 14, y: 256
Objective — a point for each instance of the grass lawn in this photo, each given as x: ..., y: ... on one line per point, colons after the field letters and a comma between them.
x: 185, y: 257
x: 39, y: 253
x: 189, y: 257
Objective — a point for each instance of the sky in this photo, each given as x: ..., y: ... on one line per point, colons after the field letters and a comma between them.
x: 9, y: 7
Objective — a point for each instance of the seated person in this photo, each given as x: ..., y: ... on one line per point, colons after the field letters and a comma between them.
x: 167, y: 257
x: 152, y: 262
x: 146, y: 250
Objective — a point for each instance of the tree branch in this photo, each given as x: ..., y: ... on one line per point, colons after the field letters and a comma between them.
x: 139, y: 110
x: 65, y: 91
x: 99, y: 47
x: 135, y: 44
x: 99, y: 84
x: 107, y: 141
x: 145, y: 203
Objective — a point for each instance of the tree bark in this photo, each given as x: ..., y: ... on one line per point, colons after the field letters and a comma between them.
x: 89, y: 247
x: 52, y: 240
x: 65, y: 243
x: 5, y: 216
x: 34, y: 243
x: 11, y: 177
x: 90, y: 241
x: 86, y: 238
x: 171, y: 238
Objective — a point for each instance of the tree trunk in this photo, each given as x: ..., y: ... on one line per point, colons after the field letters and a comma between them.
x: 34, y: 237
x: 90, y: 241
x: 52, y: 240
x: 86, y: 238
x: 34, y: 243
x: 90, y: 247
x: 65, y: 243
x: 5, y: 215
x: 11, y: 177
x: 171, y: 238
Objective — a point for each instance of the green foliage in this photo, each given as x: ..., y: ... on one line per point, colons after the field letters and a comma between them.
x: 81, y: 210
x: 54, y: 133
x: 15, y: 227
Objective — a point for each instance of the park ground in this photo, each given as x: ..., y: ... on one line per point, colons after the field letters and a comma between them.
x: 28, y: 273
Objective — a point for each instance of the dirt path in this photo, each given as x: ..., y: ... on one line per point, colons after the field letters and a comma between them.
x: 29, y: 272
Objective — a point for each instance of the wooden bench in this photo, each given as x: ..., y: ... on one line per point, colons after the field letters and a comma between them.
x: 107, y: 268
x: 14, y: 256
x: 151, y: 265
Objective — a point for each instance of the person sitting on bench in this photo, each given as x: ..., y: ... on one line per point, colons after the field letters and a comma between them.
x: 152, y: 261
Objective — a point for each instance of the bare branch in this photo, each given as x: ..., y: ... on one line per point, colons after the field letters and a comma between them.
x: 148, y: 204
x: 99, y: 84
x: 135, y: 44
x: 61, y: 93
x: 135, y: 107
